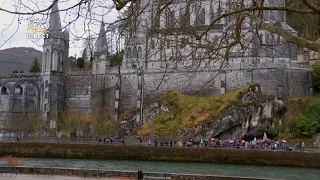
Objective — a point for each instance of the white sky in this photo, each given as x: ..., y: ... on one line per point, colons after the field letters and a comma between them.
x: 12, y: 34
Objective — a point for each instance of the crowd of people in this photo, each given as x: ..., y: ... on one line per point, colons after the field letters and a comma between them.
x: 255, y: 143
x: 267, y: 144
x: 229, y: 143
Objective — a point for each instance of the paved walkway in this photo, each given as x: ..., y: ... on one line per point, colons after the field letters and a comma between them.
x: 46, y: 177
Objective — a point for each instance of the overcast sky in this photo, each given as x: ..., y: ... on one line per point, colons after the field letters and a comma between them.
x: 12, y: 33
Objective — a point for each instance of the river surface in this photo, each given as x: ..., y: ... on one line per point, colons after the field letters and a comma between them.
x: 273, y: 172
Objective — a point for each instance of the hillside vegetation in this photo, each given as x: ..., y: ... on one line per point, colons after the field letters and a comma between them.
x: 300, y: 119
x: 180, y: 111
x: 303, y: 118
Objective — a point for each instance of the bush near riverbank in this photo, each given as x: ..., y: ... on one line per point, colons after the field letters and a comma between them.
x: 207, y: 155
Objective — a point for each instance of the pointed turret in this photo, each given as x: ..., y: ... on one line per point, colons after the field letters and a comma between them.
x: 101, y: 54
x: 66, y: 34
x: 101, y: 43
x: 55, y: 22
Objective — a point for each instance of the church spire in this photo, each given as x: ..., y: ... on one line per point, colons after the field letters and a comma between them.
x: 54, y: 21
x: 101, y: 43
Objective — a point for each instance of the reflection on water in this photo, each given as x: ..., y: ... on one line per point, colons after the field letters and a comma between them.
x: 274, y: 172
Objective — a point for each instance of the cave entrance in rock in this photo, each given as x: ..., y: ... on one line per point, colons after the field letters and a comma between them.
x: 257, y: 133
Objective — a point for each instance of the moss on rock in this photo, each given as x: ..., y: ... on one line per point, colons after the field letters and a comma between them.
x: 183, y: 112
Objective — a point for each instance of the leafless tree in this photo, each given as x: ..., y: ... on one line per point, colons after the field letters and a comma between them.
x: 240, y: 11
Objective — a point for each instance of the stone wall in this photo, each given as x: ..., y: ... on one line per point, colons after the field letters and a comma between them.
x: 78, y: 93
x: 19, y: 96
x: 208, y: 155
x: 83, y: 91
x: 283, y: 83
x: 116, y: 174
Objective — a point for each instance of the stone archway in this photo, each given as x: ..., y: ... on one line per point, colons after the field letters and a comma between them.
x: 4, y: 90
x: 25, y: 97
x: 4, y: 98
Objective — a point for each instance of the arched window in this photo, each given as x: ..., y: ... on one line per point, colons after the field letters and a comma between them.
x: 201, y: 17
x: 152, y: 44
x: 18, y: 90
x: 61, y: 61
x: 135, y: 53
x: 167, y: 12
x: 170, y: 18
x: 47, y: 60
x: 157, y: 19
x: 55, y: 60
x: 127, y: 63
x: 4, y: 91
x: 219, y: 11
x: 212, y: 15
x: 128, y: 53
x: 97, y: 69
x: 185, y: 16
x: 139, y: 52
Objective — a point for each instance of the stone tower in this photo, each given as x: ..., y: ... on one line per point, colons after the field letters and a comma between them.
x: 54, y: 66
x: 101, y: 60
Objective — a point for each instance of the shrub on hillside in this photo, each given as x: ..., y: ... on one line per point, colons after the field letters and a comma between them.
x: 316, y: 76
x: 309, y: 123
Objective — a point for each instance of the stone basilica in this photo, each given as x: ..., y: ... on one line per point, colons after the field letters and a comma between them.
x: 147, y: 72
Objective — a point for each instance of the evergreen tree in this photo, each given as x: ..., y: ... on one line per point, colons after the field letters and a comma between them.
x: 91, y: 62
x: 316, y: 76
x: 116, y: 59
x: 15, y: 71
x: 21, y: 71
x: 80, y: 63
x: 35, y: 66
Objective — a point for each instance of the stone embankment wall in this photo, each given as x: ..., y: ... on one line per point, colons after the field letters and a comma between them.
x: 85, y: 90
x: 128, y: 174
x: 234, y: 156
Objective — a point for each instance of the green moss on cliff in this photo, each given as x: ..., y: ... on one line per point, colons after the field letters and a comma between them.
x: 185, y: 112
x: 295, y: 109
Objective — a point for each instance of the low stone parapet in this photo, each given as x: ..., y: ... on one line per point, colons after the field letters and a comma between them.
x: 82, y: 172
x: 120, y: 152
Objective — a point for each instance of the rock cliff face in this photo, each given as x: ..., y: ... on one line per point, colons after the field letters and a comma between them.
x: 251, y: 118
x: 249, y: 115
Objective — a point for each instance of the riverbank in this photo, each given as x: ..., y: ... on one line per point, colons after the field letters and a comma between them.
x: 206, y: 155
x: 46, y: 177
x: 114, y: 175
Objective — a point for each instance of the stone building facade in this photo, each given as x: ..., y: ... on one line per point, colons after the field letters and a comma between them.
x: 140, y: 80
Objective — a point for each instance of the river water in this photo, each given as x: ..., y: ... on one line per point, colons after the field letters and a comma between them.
x: 273, y: 172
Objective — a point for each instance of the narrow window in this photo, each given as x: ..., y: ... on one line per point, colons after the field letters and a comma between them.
x: 128, y: 53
